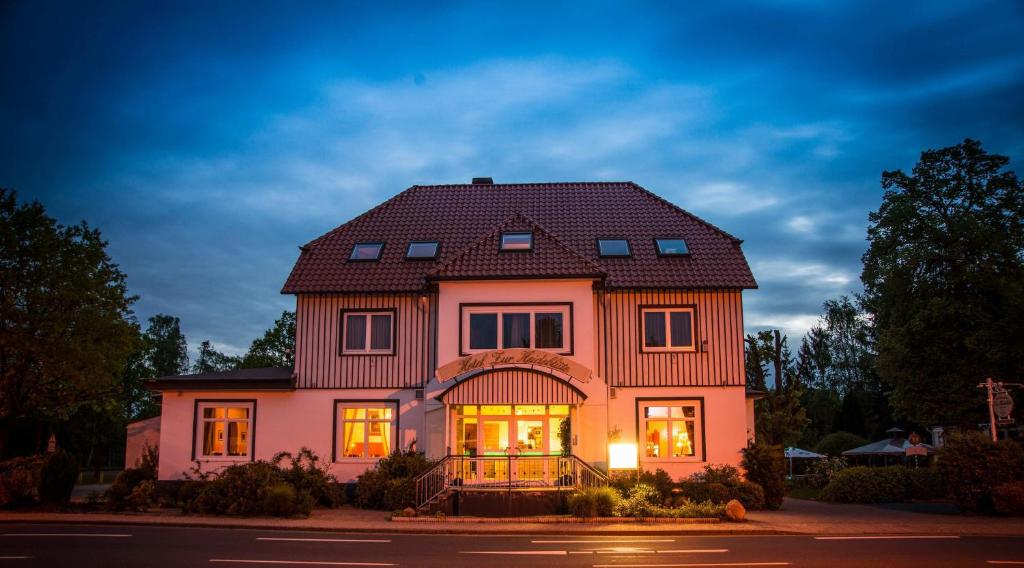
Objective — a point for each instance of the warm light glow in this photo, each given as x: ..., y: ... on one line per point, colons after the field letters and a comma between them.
x: 622, y: 456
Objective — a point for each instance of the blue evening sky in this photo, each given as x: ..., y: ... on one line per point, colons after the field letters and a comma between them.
x: 208, y: 142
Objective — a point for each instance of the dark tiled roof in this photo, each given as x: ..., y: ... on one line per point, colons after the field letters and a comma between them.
x: 262, y: 378
x: 570, y: 217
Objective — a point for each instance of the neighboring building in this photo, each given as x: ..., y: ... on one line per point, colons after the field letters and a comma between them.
x: 468, y: 319
x: 141, y: 434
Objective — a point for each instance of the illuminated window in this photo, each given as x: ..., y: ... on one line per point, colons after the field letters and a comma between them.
x: 224, y: 430
x: 366, y: 251
x: 671, y: 430
x: 667, y: 329
x: 368, y: 333
x: 365, y: 430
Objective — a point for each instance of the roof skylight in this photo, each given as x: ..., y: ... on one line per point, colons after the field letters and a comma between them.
x: 422, y: 250
x: 516, y: 241
x: 366, y: 251
x: 671, y: 247
x: 613, y: 247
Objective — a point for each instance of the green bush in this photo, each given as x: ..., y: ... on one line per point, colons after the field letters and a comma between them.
x: 391, y: 483
x: 281, y: 500
x: 659, y: 479
x: 594, y: 502
x: 973, y: 465
x: 641, y: 501
x: 691, y: 510
x: 766, y: 465
x: 1008, y: 498
x: 925, y: 484
x: 19, y: 480
x: 700, y: 491
x: 57, y: 478
x: 119, y: 495
x: 724, y: 474
x: 836, y: 443
x: 750, y: 494
x: 306, y: 474
x: 820, y: 472
x: 867, y: 485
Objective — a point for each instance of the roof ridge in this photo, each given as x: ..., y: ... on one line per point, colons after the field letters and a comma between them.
x: 500, y: 227
x: 657, y: 198
x: 532, y: 184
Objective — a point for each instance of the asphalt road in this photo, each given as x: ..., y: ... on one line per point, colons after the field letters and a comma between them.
x: 110, y: 546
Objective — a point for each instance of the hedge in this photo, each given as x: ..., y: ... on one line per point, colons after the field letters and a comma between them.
x: 894, y: 484
x: 973, y: 466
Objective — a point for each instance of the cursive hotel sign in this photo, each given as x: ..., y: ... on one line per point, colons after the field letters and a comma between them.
x: 517, y: 357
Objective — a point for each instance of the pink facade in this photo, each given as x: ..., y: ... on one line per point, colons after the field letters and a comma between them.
x: 537, y: 356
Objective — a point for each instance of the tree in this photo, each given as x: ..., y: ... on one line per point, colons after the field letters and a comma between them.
x: 780, y: 418
x: 944, y: 282
x: 210, y: 360
x: 64, y: 317
x: 277, y: 346
x: 166, y: 347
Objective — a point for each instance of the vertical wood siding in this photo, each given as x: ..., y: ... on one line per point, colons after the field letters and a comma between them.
x: 317, y: 336
x: 719, y: 322
x: 512, y: 386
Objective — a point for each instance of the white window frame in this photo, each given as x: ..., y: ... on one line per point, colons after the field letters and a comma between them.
x: 698, y: 428
x: 200, y: 429
x: 533, y: 310
x: 366, y: 350
x: 341, y: 421
x: 668, y: 311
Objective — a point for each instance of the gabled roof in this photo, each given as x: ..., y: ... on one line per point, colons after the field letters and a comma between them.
x: 573, y: 215
x: 548, y: 259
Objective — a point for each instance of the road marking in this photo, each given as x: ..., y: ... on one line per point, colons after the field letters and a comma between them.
x: 894, y: 537
x: 321, y: 539
x: 691, y: 565
x: 693, y: 550
x: 602, y: 541
x: 101, y: 535
x: 306, y: 562
x: 1016, y: 562
x: 519, y: 552
x: 15, y: 557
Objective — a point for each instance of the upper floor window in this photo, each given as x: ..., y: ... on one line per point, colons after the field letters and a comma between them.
x: 366, y: 251
x: 368, y: 332
x: 224, y: 430
x: 613, y: 247
x: 667, y: 328
x: 516, y: 326
x: 672, y: 429
x: 516, y: 241
x: 671, y: 247
x: 422, y: 250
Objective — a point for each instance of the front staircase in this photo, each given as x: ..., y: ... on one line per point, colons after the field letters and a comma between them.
x: 504, y: 473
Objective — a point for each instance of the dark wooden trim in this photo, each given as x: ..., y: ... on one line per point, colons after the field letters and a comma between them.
x: 252, y: 421
x: 641, y: 332
x: 657, y: 249
x: 380, y: 255
x: 334, y: 431
x: 629, y: 247
x: 703, y: 426
x: 221, y: 385
x: 341, y: 331
x: 572, y: 321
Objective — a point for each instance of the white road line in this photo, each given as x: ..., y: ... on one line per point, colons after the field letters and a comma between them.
x: 893, y: 537
x: 691, y: 565
x: 1015, y: 562
x: 15, y: 557
x: 693, y: 550
x: 305, y: 562
x: 618, y: 541
x: 518, y: 552
x: 321, y: 539
x: 100, y: 535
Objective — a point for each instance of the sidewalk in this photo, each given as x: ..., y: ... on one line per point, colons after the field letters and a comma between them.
x: 796, y: 517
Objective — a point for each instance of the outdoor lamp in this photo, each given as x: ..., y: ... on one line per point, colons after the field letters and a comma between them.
x: 623, y: 456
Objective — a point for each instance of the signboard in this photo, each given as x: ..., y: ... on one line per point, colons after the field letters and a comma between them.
x: 514, y: 357
x: 917, y: 451
x: 1002, y: 404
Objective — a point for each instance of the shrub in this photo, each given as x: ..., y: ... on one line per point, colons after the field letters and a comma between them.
x: 391, y: 484
x: 1008, y: 498
x: 659, y: 479
x: 239, y: 489
x: 119, y: 495
x: 836, y: 443
x: 641, y: 501
x: 306, y: 474
x: 821, y: 472
x: 766, y: 465
x: 57, y: 478
x: 700, y: 491
x: 281, y: 500
x: 867, y: 485
x: 973, y: 465
x: 925, y: 483
x: 750, y: 494
x: 142, y: 495
x: 19, y: 480
x: 724, y: 474
x: 594, y: 502
x: 692, y: 509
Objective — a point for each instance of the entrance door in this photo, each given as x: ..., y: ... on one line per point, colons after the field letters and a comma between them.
x: 494, y: 434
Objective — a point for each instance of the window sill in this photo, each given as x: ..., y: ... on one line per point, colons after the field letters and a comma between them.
x: 671, y: 460
x: 357, y: 460
x: 668, y: 350
x: 218, y: 459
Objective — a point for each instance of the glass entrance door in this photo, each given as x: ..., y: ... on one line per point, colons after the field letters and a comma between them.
x: 490, y: 431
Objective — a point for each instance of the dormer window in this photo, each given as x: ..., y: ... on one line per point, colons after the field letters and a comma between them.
x: 516, y: 241
x: 613, y: 247
x: 422, y: 250
x: 366, y: 251
x: 671, y: 247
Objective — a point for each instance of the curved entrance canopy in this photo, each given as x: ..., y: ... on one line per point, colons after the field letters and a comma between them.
x: 512, y: 386
x: 527, y: 358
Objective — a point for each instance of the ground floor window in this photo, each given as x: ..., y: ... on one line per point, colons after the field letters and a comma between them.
x: 224, y: 429
x: 492, y: 429
x: 671, y: 429
x: 365, y: 429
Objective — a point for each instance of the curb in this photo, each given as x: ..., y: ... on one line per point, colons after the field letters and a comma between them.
x: 553, y: 520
